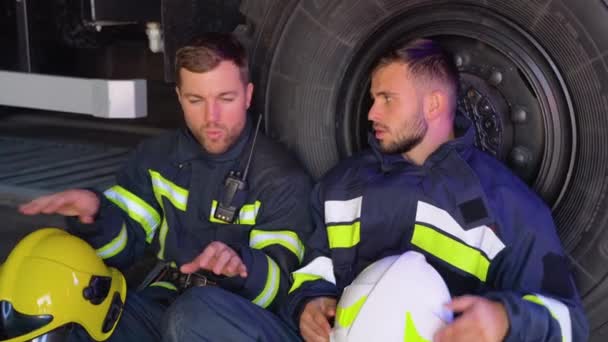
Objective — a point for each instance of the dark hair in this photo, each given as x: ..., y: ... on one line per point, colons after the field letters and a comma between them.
x: 426, y: 60
x: 205, y: 52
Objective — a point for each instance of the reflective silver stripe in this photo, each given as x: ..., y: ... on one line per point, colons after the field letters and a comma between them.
x: 177, y: 195
x: 261, y: 239
x: 115, y: 246
x: 271, y: 287
x: 343, y: 211
x: 136, y: 208
x: 249, y: 212
x: 320, y: 266
x: 558, y: 311
x: 482, y: 237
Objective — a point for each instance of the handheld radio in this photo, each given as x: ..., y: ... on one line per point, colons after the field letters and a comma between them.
x: 234, y: 188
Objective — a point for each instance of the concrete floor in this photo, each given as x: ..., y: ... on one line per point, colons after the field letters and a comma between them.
x: 15, y: 226
x: 42, y: 153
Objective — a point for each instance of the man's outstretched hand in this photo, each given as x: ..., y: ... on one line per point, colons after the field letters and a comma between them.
x: 75, y: 202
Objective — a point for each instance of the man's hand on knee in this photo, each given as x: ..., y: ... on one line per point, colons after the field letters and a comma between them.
x: 218, y: 258
x: 314, y: 321
x: 480, y: 320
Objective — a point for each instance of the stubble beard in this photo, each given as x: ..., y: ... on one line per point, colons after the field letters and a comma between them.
x: 405, y: 141
x: 217, y: 146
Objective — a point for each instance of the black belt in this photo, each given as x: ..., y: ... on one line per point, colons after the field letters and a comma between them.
x: 182, y: 281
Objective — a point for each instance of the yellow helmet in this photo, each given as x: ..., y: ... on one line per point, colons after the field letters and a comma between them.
x: 53, y: 279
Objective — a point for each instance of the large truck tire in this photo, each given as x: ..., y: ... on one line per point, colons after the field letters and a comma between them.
x: 535, y: 82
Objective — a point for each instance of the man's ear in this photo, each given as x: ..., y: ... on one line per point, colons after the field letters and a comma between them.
x: 249, y: 93
x: 434, y: 104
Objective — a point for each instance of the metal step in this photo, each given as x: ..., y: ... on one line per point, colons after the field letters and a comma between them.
x: 32, y: 167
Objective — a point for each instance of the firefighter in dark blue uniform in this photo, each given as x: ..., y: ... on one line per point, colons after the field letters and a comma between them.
x: 215, y: 201
x: 425, y: 187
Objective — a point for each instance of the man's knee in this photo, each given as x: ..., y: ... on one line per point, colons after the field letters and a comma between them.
x: 190, y: 312
x: 197, y: 300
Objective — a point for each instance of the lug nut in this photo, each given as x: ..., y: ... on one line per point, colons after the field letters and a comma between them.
x: 496, y: 78
x: 488, y: 124
x: 520, y: 156
x: 459, y: 61
x: 484, y: 107
x: 519, y: 115
x: 462, y: 59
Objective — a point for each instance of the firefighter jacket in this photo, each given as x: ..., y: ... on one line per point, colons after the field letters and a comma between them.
x: 483, y: 229
x: 166, y: 196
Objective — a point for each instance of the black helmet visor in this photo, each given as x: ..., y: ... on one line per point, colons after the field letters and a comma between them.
x: 14, y: 324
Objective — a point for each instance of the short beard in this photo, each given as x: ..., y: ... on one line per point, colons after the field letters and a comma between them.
x: 218, y: 147
x: 405, y: 143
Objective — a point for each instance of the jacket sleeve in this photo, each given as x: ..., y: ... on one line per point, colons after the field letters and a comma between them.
x: 127, y: 219
x: 531, y: 278
x: 275, y: 246
x: 316, y: 278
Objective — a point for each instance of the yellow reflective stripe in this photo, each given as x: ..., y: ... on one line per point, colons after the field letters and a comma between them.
x: 344, y: 236
x: 411, y: 333
x: 164, y: 229
x: 346, y: 316
x: 536, y: 300
x: 558, y: 311
x: 482, y: 237
x: 136, y: 208
x: 451, y: 251
x: 247, y: 214
x: 115, y: 246
x: 260, y: 239
x: 271, y: 287
x: 319, y: 268
x: 177, y: 195
x: 300, y: 278
x: 165, y: 284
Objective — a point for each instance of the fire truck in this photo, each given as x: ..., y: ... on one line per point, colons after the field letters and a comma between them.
x: 83, y: 81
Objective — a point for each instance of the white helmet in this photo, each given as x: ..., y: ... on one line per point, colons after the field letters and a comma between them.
x: 398, y: 298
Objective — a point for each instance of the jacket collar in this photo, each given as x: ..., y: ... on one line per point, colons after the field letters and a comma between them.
x: 465, y: 137
x: 188, y: 148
